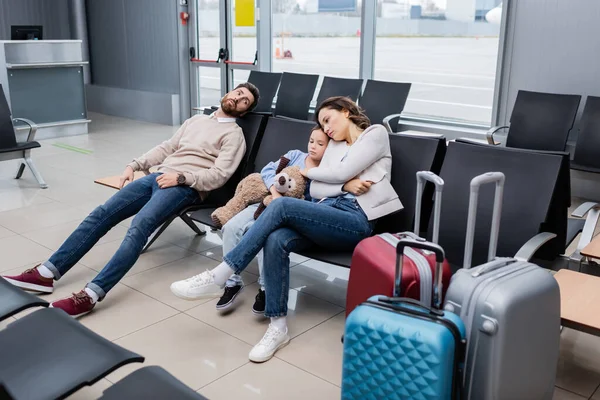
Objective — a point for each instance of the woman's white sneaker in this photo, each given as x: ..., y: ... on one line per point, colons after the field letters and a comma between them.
x: 273, y: 340
x: 197, y: 287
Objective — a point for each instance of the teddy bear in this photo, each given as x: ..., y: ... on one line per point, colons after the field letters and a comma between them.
x: 251, y: 190
x: 289, y: 182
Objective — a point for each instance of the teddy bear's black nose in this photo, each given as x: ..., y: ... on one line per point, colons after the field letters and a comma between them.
x: 282, y: 180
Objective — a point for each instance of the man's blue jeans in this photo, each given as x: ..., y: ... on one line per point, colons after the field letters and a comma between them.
x: 143, y: 197
x: 291, y: 225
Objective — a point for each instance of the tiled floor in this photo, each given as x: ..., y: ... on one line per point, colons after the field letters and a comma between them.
x: 206, y: 350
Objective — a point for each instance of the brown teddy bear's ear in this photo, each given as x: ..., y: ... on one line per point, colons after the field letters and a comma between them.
x: 283, y: 162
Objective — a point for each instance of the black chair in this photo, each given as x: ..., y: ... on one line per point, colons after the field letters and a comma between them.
x: 49, y: 355
x: 410, y: 154
x: 540, y: 121
x: 586, y: 158
x: 253, y: 126
x: 587, y: 148
x: 10, y: 149
x: 280, y: 136
x: 557, y: 221
x: 383, y: 102
x: 14, y: 300
x: 267, y: 83
x: 4, y: 393
x: 150, y: 383
x: 531, y: 179
x: 339, y: 87
x: 296, y: 91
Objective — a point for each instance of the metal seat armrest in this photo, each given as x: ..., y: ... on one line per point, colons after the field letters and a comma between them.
x: 592, y: 210
x: 476, y: 141
x: 386, y: 121
x: 32, y: 127
x: 585, y: 208
x: 528, y: 249
x: 489, y: 135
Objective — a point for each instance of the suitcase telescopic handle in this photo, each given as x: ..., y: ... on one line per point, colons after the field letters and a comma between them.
x: 476, y: 183
x: 410, y: 235
x: 422, y: 177
x: 417, y: 244
x: 489, y: 267
x: 439, y: 259
x: 392, y: 301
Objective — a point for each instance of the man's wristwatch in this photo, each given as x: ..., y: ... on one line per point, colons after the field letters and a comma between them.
x: 181, y: 179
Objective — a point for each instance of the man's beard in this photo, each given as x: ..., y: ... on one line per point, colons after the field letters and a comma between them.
x: 230, y: 109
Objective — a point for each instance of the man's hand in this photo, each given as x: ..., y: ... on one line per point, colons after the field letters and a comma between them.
x: 126, y: 176
x: 167, y: 180
x: 357, y: 187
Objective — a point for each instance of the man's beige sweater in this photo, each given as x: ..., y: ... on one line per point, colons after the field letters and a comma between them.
x: 206, y: 149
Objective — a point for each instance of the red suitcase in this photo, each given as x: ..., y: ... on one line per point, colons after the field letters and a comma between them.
x: 375, y: 260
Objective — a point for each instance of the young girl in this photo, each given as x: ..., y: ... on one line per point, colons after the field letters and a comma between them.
x: 352, y: 183
x: 236, y: 227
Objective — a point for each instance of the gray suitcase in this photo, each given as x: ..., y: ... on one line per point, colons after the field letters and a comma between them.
x: 511, y: 311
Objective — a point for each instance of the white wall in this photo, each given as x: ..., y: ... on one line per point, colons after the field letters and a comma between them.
x: 552, y: 46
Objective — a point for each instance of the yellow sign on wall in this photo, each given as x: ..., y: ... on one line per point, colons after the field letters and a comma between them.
x: 244, y: 12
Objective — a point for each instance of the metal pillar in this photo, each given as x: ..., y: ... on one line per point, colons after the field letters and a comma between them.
x: 183, y: 40
x: 265, y: 36
x: 79, y: 31
x: 367, y: 39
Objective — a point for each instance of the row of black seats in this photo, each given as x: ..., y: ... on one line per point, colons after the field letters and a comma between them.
x: 539, y: 121
x: 544, y: 121
x: 382, y: 101
x: 71, y: 357
x: 535, y: 199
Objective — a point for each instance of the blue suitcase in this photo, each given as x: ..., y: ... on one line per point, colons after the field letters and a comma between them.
x: 399, y: 348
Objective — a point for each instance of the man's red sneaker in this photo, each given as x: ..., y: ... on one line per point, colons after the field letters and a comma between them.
x: 32, y: 280
x: 77, y: 305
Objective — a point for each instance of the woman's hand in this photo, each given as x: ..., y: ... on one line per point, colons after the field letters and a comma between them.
x: 304, y: 172
x: 357, y: 186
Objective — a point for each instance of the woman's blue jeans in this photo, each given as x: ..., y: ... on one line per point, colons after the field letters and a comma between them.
x: 292, y: 225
